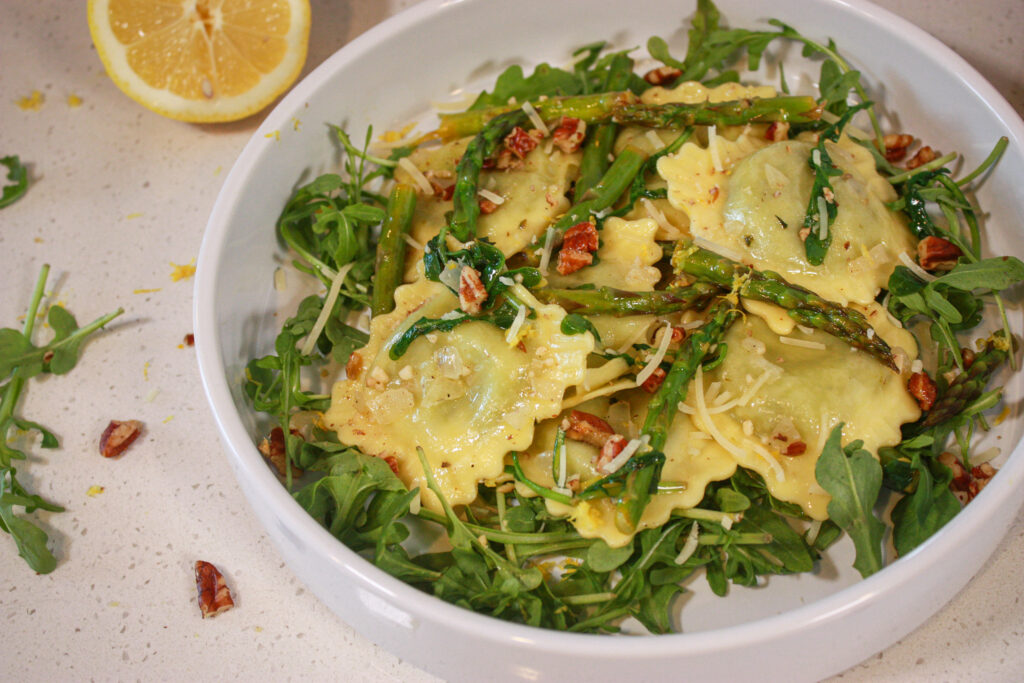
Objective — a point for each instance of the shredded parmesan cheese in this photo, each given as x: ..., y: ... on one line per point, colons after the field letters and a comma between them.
x: 822, y: 219
x: 619, y: 460
x: 690, y: 546
x: 545, y: 256
x: 659, y: 218
x: 562, y: 457
x: 717, y: 248
x: 716, y: 160
x: 803, y: 343
x: 659, y: 356
x: 417, y: 176
x: 325, y: 312
x: 535, y: 119
x: 656, y: 142
x: 411, y: 241
x: 775, y: 176
x: 512, y: 335
x: 916, y: 269
x: 493, y: 197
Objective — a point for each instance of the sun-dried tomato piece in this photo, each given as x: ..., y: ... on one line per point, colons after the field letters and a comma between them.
x: 392, y: 462
x: 662, y: 75
x: 214, y: 594
x: 472, y: 293
x: 118, y: 436
x: 936, y: 253
x: 569, y: 135
x: 652, y: 383
x: 922, y: 388
x: 587, y: 427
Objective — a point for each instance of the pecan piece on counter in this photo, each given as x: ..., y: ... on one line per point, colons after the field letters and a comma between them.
x: 569, y: 135
x: 922, y: 388
x: 936, y: 253
x: 472, y: 293
x: 662, y: 75
x: 214, y: 594
x: 923, y: 156
x: 896, y: 145
x: 118, y: 436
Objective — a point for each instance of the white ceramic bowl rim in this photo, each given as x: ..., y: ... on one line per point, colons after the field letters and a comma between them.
x: 1002, y: 492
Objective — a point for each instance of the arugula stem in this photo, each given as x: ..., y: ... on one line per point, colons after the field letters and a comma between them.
x: 990, y: 160
x: 499, y: 536
x: 588, y: 598
x: 923, y: 168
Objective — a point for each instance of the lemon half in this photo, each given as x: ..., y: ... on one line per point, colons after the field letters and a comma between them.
x: 201, y: 60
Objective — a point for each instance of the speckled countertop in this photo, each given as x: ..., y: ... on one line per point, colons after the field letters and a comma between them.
x: 119, y: 198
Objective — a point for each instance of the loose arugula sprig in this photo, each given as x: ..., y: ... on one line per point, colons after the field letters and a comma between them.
x: 16, y: 173
x: 20, y: 360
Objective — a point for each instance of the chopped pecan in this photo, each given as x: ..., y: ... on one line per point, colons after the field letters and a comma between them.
x: 190, y: 339
x: 922, y: 388
x: 611, y: 448
x: 896, y: 145
x: 651, y: 384
x: 777, y: 131
x: 961, y: 477
x: 936, y: 253
x: 581, y: 237
x: 520, y: 142
x: 578, y: 245
x: 273, y: 449
x: 214, y: 594
x: 662, y: 75
x: 570, y: 260
x: 506, y: 160
x: 569, y: 135
x: 968, y: 356
x: 442, y: 192
x: 354, y: 366
x: 587, y: 427
x: 795, y: 448
x: 118, y: 436
x: 486, y: 205
x: 472, y: 293
x: 980, y: 477
x: 966, y: 484
x: 923, y: 156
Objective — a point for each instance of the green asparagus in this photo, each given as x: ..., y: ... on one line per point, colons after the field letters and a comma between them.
x: 391, y: 248
x: 969, y: 384
x: 610, y: 301
x: 803, y: 306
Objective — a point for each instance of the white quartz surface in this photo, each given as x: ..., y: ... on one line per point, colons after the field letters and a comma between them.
x: 118, y: 196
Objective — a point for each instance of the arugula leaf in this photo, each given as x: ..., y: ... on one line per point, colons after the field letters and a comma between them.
x: 920, y: 514
x: 574, y: 323
x: 820, y: 236
x: 853, y: 478
x: 17, y: 173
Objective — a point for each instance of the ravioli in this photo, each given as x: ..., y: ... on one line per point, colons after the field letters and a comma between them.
x: 756, y: 205
x: 467, y: 397
x: 625, y: 258
x: 534, y: 196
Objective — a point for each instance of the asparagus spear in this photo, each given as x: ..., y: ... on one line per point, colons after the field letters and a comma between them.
x: 467, y: 173
x: 391, y: 248
x: 663, y: 406
x: 595, y: 153
x: 969, y: 384
x: 601, y: 196
x: 803, y: 306
x: 619, y: 302
x: 624, y: 107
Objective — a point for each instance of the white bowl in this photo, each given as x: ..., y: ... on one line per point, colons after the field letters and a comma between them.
x: 392, y: 73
